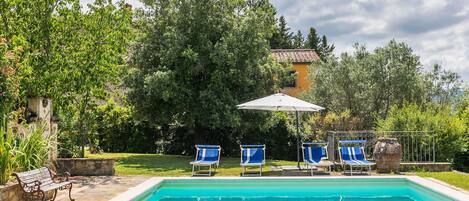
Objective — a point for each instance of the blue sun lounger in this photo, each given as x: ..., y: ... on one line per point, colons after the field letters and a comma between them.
x: 206, y: 156
x: 313, y: 155
x: 252, y: 155
x: 353, y: 156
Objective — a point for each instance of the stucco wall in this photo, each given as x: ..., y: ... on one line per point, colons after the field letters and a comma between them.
x: 302, y: 80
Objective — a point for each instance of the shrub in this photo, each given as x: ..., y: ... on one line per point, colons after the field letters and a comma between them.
x: 68, y: 145
x: 22, y: 154
x: 32, y: 152
x: 117, y: 131
x: 448, y: 127
x: 6, y: 156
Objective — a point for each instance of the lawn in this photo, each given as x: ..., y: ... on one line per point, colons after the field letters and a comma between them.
x: 454, y: 178
x: 172, y: 165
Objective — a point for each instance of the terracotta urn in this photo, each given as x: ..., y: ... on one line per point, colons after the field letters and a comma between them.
x: 388, y: 154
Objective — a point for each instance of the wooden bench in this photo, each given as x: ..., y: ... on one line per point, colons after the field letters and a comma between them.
x: 36, y: 183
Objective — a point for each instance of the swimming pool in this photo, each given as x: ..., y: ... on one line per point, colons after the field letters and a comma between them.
x: 294, y: 189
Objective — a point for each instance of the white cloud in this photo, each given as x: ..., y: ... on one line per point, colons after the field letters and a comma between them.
x: 437, y: 30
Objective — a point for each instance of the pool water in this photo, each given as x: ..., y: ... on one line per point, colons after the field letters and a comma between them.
x: 345, y: 189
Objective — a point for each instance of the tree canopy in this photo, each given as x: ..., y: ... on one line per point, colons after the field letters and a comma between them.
x: 198, y: 60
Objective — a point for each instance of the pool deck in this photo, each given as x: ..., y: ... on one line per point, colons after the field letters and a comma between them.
x: 100, y: 188
x: 105, y: 188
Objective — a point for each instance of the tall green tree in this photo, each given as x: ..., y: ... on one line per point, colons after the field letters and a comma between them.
x: 198, y: 60
x: 281, y: 37
x: 298, y: 40
x: 325, y: 50
x: 313, y: 41
x: 320, y: 44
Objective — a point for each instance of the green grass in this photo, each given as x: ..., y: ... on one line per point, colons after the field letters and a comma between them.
x: 172, y: 165
x: 453, y: 178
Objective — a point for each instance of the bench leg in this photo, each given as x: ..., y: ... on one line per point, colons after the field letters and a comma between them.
x: 70, y: 192
x: 55, y: 194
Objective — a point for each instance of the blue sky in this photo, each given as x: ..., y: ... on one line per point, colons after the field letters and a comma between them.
x: 437, y: 30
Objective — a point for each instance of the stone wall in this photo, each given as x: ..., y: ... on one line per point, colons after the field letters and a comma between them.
x: 85, y: 166
x: 10, y: 192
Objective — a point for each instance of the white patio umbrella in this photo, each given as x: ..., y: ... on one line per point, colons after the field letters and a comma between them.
x: 282, y: 102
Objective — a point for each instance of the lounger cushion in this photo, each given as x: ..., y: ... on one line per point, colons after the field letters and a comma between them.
x: 354, y: 156
x: 252, y: 156
x: 313, y: 155
x: 206, y: 155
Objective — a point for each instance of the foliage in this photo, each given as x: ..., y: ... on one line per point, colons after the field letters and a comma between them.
x: 10, y: 64
x: 197, y: 61
x: 7, y: 157
x: 318, y: 43
x: 116, y: 123
x: 368, y: 84
x: 298, y: 40
x: 32, y: 152
x: 461, y: 161
x: 448, y: 128
x: 443, y: 85
x: 22, y: 154
x: 281, y: 37
x: 68, y: 145
x: 69, y: 55
x: 317, y: 125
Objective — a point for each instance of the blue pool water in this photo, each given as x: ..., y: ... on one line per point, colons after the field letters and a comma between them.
x: 399, y: 189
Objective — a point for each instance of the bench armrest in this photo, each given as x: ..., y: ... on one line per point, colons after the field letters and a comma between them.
x: 61, y: 177
x: 33, y: 186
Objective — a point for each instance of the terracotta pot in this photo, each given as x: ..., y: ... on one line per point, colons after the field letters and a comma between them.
x: 388, y: 154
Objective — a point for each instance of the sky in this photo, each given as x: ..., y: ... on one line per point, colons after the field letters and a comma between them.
x: 437, y: 30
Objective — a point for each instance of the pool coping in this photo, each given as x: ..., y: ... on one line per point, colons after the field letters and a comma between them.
x: 446, y: 190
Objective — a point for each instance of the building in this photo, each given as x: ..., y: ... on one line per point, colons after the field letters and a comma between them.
x: 301, y: 59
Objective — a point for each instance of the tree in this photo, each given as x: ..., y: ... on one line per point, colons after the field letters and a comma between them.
x: 298, y: 40
x: 319, y: 44
x: 197, y: 61
x: 312, y: 40
x: 443, y: 85
x: 281, y: 37
x: 69, y: 56
x: 368, y: 83
x: 325, y: 50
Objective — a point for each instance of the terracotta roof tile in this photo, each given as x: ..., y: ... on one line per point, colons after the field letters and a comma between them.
x: 295, y: 55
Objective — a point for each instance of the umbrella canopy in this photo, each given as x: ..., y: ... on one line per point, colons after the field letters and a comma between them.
x: 282, y: 102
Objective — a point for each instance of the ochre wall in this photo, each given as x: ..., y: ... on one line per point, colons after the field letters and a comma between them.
x: 302, y: 81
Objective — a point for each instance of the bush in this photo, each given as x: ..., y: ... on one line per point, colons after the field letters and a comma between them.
x: 449, y: 128
x: 461, y: 161
x: 22, y: 154
x: 317, y: 125
x: 32, y: 151
x: 6, y: 156
x: 68, y: 144
x: 117, y: 131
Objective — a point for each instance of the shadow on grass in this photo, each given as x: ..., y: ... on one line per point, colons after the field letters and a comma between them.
x: 175, y: 165
x: 154, y: 162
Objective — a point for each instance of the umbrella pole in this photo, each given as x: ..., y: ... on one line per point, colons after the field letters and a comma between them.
x: 298, y: 139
